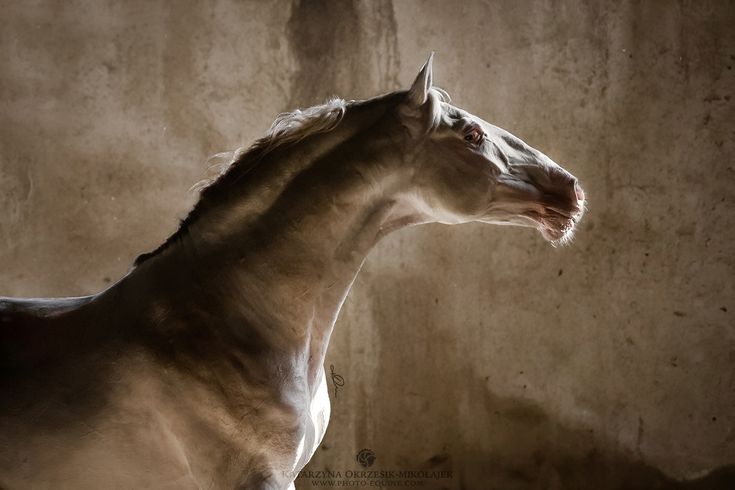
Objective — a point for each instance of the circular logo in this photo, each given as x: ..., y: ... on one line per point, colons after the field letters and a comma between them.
x: 366, y: 457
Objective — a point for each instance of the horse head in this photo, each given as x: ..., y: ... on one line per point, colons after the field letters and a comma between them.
x: 470, y: 170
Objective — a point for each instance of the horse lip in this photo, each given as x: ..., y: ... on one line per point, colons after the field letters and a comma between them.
x: 572, y: 214
x: 546, y: 221
x: 554, y: 223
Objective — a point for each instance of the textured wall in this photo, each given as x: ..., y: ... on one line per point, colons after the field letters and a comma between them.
x: 476, y: 349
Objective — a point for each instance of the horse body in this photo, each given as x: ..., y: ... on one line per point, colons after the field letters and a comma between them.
x: 203, y: 367
x: 130, y: 403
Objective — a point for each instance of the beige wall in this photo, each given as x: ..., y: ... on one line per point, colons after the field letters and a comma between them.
x: 476, y: 349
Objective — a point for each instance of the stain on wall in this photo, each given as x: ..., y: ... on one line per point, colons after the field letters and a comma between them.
x: 321, y: 32
x: 333, y: 46
x: 474, y: 349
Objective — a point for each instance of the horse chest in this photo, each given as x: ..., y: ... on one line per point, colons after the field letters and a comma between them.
x: 321, y: 408
x: 295, y: 447
x: 288, y: 459
x: 315, y: 424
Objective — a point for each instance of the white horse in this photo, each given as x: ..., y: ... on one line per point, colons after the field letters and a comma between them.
x: 203, y: 367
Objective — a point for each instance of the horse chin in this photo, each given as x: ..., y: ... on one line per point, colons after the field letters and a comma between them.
x: 558, y: 233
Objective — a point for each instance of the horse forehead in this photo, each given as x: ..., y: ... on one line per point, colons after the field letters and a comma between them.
x: 453, y: 114
x: 511, y: 145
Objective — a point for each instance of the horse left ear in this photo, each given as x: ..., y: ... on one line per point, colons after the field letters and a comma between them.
x: 419, y: 91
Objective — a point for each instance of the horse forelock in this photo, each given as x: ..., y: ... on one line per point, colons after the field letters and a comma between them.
x: 443, y: 94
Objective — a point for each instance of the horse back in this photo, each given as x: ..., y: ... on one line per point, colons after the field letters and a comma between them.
x: 33, y: 330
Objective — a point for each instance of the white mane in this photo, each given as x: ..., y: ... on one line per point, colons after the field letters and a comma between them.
x: 288, y: 127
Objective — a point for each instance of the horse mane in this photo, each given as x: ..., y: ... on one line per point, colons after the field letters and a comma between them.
x: 288, y: 128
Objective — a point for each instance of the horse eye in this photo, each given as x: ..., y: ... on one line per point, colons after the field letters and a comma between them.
x: 474, y: 136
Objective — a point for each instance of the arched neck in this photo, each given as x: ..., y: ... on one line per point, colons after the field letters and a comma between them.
x: 280, y: 258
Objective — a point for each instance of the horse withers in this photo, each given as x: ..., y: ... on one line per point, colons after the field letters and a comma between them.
x: 203, y: 366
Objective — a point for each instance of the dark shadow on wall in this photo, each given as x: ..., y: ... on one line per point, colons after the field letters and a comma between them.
x: 430, y: 414
x: 538, y: 452
x: 530, y: 451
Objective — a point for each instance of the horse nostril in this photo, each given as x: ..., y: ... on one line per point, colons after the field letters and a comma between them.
x: 578, y: 192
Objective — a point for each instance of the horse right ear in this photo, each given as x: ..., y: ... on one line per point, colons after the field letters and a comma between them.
x: 419, y: 91
x: 417, y: 112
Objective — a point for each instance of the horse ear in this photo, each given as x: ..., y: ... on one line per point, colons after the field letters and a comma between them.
x: 419, y: 91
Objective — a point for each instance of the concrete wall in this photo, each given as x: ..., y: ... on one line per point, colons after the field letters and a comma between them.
x: 476, y: 349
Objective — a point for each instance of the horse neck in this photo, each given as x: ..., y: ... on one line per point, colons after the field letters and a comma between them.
x: 282, y: 256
